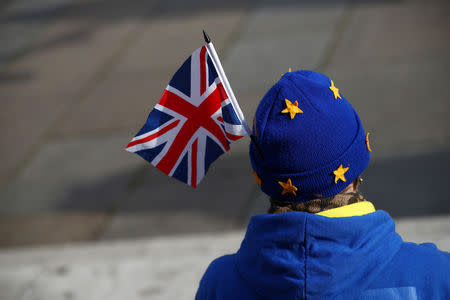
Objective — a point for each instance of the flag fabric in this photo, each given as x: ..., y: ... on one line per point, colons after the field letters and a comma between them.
x: 193, y: 123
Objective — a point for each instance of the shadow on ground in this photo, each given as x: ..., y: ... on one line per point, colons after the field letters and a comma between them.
x: 410, y: 186
x: 145, y: 202
x: 96, y: 14
x: 403, y: 186
x: 119, y: 10
x: 222, y: 192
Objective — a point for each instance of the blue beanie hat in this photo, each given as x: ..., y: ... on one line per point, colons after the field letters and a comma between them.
x: 309, y: 140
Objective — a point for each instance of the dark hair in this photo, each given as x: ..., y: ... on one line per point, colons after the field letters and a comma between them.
x: 319, y: 204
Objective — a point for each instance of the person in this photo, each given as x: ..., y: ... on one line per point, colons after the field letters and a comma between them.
x: 321, y: 239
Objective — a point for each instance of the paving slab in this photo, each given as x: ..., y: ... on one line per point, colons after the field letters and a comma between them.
x: 67, y: 55
x: 16, y: 35
x: 155, y: 223
x: 435, y: 229
x: 124, y: 97
x: 119, y: 104
x: 394, y: 32
x: 86, y: 174
x: 159, y: 205
x: 276, y: 38
x: 22, y: 122
x: 410, y: 185
x: 45, y: 229
x: 167, y: 41
x: 57, y: 70
x: 159, y: 269
x: 226, y: 187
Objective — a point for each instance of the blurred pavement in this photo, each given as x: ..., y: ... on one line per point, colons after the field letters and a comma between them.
x: 78, y: 78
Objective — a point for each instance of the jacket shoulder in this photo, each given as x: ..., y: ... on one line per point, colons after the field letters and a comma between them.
x: 210, y: 281
x: 222, y: 281
x: 422, y: 266
x: 426, y: 255
x: 220, y: 267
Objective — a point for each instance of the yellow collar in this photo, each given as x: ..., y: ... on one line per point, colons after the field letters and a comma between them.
x: 351, y: 210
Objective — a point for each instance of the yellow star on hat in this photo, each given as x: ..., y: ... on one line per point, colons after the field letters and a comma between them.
x: 254, y: 127
x: 290, y: 70
x: 288, y: 187
x: 335, y: 90
x: 367, y: 142
x: 292, y: 108
x: 257, y: 179
x: 339, y: 174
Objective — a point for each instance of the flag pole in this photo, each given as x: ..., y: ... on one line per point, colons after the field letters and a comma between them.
x: 223, y: 78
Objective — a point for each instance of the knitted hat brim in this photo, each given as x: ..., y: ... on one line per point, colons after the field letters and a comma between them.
x: 319, y: 182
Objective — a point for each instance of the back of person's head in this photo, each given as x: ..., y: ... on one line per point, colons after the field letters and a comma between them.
x: 309, y: 142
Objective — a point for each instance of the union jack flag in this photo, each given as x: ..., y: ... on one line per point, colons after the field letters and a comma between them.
x: 193, y: 123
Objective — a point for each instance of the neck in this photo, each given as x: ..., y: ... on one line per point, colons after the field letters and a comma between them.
x: 315, y: 205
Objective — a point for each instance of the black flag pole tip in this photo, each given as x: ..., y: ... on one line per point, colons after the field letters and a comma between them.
x: 206, y: 37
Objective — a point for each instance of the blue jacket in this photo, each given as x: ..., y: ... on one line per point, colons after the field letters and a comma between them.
x: 299, y: 255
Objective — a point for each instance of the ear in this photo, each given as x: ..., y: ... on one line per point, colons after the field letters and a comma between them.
x: 356, y: 184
